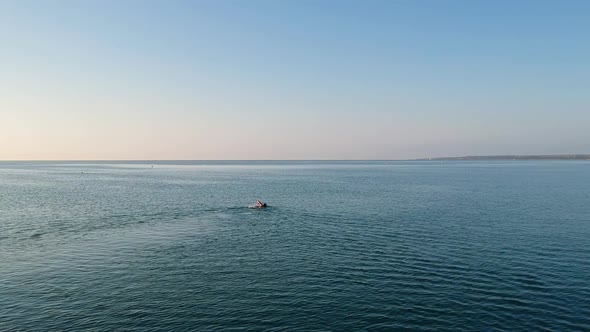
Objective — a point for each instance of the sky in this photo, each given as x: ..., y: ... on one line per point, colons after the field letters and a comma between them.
x: 277, y: 79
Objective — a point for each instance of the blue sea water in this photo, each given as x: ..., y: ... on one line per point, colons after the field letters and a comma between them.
x: 454, y: 246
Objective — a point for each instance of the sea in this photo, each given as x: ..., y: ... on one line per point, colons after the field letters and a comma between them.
x: 342, y: 246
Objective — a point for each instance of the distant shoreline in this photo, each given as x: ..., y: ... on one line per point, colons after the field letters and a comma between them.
x: 518, y: 157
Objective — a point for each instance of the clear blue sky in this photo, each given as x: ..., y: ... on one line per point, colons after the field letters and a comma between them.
x: 293, y: 79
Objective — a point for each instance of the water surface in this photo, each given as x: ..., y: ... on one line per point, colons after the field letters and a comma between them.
x: 502, y: 245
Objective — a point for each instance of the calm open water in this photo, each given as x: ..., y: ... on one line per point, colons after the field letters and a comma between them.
x: 344, y: 246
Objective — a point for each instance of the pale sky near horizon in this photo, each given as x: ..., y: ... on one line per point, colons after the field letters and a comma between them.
x: 292, y: 79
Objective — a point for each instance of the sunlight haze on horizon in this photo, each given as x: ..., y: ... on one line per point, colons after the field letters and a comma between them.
x: 89, y: 80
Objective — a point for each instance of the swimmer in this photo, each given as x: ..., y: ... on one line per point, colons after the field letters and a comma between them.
x: 260, y: 205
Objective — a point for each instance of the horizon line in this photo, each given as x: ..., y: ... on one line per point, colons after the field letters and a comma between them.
x: 586, y: 155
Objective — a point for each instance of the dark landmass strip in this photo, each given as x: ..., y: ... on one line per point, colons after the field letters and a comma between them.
x: 518, y: 157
